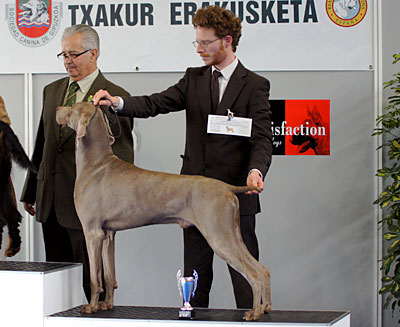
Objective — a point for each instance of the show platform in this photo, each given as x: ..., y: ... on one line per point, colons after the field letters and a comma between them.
x: 122, y: 316
x: 45, y: 294
x: 32, y: 290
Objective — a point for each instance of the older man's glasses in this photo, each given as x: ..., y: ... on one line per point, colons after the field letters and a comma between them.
x: 72, y: 56
x: 204, y: 44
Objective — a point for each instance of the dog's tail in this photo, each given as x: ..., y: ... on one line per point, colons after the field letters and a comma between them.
x: 5, y: 170
x: 244, y: 189
x: 17, y: 152
x: 9, y: 213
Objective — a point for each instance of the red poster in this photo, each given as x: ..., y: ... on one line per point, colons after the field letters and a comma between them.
x: 307, y: 127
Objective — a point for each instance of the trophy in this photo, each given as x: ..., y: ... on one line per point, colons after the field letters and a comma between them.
x: 187, y: 287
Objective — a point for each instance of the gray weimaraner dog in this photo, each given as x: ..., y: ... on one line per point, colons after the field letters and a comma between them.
x: 102, y: 178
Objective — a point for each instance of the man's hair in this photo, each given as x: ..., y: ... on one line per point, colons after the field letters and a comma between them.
x: 90, y: 38
x: 223, y: 21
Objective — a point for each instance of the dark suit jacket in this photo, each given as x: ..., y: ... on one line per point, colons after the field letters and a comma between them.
x: 55, y: 180
x: 224, y: 157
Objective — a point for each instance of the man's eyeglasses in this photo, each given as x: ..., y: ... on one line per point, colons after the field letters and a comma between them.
x: 72, y: 56
x: 204, y: 44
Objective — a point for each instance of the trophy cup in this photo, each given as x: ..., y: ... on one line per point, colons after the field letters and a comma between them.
x: 187, y: 287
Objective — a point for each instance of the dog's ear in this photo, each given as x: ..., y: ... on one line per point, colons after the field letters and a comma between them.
x: 314, y: 114
x: 81, y: 129
x: 62, y: 113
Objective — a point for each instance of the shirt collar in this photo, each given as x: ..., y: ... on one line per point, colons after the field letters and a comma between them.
x: 86, y: 82
x: 228, y: 70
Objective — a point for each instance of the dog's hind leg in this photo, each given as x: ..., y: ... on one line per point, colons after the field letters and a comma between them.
x: 259, y: 279
x: 267, y: 306
x: 263, y: 278
x: 226, y: 241
x: 94, y: 244
x: 234, y: 255
x: 109, y: 270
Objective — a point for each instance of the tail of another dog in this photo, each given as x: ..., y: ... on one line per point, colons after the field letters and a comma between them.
x: 14, y: 146
x: 244, y: 189
x: 9, y: 214
x: 5, y: 170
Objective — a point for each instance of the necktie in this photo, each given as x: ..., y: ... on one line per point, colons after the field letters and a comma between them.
x: 215, y: 90
x: 69, y: 101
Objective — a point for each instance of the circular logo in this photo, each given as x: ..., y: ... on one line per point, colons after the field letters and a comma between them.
x: 33, y: 23
x: 346, y: 13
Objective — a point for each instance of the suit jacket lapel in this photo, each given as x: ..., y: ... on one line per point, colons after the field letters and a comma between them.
x: 203, y: 91
x: 99, y: 83
x: 235, y: 85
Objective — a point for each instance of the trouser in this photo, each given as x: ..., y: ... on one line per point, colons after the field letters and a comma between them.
x: 198, y: 256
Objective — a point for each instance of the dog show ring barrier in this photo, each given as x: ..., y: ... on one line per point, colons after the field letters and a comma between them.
x: 48, y: 294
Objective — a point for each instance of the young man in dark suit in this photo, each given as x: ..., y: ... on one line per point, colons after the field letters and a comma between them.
x: 233, y: 159
x: 54, y: 153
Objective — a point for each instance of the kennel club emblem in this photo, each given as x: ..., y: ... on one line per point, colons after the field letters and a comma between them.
x: 346, y: 13
x: 33, y: 23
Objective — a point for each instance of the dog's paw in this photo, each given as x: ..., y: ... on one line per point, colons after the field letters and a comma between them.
x: 251, y: 315
x: 11, y: 251
x: 87, y: 308
x: 267, y: 308
x: 104, y: 305
x: 14, y: 246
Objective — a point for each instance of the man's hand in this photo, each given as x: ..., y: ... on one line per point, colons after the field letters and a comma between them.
x: 254, y: 179
x: 103, y: 98
x: 29, y: 208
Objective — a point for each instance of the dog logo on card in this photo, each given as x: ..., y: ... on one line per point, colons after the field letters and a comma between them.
x: 33, y: 23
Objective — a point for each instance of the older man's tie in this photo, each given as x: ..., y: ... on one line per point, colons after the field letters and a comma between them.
x: 69, y: 101
x: 215, y: 90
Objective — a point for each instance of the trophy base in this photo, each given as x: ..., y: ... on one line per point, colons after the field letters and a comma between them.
x: 186, y: 314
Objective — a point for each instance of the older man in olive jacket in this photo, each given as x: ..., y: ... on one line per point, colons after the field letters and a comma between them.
x: 54, y: 154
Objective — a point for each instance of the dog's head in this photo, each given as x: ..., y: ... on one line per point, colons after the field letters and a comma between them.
x: 78, y: 118
x: 34, y: 8
x: 318, y: 143
x: 304, y: 142
x: 3, y: 113
x: 41, y: 8
x: 29, y: 6
x: 351, y: 4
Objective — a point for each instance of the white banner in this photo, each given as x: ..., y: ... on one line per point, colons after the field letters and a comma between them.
x: 157, y: 35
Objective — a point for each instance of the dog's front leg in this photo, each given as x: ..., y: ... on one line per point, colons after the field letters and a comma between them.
x: 109, y: 270
x: 267, y: 306
x: 94, y: 243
